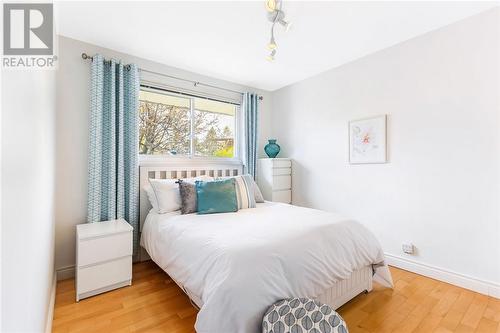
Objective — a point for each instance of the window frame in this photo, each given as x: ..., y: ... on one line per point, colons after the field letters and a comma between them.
x: 145, y: 159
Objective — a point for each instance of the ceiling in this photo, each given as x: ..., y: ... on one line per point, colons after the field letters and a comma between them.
x: 227, y: 40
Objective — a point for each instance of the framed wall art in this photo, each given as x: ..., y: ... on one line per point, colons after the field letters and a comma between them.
x: 368, y: 140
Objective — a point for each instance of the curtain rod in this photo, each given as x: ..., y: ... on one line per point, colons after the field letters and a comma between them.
x: 85, y: 56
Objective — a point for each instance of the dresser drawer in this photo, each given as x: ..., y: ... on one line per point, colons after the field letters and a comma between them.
x: 103, y: 275
x: 100, y: 249
x: 278, y: 163
x: 282, y: 182
x: 282, y: 171
x: 282, y: 196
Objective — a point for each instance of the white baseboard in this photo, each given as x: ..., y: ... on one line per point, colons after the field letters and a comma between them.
x: 65, y: 273
x: 50, y: 310
x: 468, y: 282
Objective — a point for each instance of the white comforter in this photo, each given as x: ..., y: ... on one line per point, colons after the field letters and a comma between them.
x: 240, y: 263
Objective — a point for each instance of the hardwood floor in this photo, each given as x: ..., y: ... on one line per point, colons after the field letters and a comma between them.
x: 154, y: 303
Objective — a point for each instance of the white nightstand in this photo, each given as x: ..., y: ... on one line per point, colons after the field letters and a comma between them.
x: 103, y: 257
x: 275, y: 179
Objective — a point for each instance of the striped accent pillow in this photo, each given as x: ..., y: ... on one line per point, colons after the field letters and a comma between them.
x: 245, y: 192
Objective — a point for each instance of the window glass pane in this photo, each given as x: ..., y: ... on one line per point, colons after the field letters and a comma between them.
x: 214, y: 128
x: 164, y: 124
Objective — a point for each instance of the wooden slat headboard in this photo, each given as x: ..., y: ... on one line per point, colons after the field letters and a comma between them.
x: 171, y: 171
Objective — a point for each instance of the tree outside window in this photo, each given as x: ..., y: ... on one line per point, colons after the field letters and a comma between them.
x: 166, y: 123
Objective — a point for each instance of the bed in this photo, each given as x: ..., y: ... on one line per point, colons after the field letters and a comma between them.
x: 234, y: 265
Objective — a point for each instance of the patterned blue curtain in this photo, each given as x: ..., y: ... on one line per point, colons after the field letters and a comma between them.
x: 113, y: 190
x: 250, y: 112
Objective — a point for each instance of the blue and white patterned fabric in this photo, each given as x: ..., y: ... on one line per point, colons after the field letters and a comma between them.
x: 250, y: 111
x: 113, y: 190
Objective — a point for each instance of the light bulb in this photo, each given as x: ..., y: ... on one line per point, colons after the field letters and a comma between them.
x: 270, y: 57
x: 271, y: 5
x: 272, y: 44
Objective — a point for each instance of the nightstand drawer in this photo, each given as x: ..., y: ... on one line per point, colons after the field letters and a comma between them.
x: 283, y: 182
x: 103, y: 275
x: 281, y: 163
x: 282, y: 171
x: 282, y: 196
x: 100, y: 249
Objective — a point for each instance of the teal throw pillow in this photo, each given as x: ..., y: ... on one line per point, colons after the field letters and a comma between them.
x: 216, y: 196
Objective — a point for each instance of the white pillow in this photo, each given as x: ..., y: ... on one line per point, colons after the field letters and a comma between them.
x: 259, y: 198
x: 164, y: 194
x: 258, y: 194
x: 245, y: 191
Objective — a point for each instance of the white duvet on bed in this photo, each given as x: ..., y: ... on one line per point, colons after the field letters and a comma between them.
x: 240, y: 263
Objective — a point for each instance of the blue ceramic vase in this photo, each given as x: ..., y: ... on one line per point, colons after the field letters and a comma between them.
x: 272, y: 149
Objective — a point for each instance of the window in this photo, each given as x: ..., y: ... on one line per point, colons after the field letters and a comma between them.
x: 175, y: 124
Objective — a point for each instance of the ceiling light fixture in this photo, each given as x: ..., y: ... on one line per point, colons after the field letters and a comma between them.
x: 275, y: 15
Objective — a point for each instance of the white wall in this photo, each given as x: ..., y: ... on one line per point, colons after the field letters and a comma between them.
x: 28, y: 110
x: 73, y: 104
x: 440, y: 189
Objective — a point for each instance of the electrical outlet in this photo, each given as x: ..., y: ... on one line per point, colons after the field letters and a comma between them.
x: 408, y: 248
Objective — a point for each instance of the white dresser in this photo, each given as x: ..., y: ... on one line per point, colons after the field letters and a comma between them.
x: 103, y: 257
x: 274, y: 178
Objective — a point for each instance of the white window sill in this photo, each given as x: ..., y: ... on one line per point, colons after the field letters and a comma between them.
x: 154, y: 160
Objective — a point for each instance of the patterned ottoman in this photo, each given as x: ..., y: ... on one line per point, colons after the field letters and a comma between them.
x: 302, y: 315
